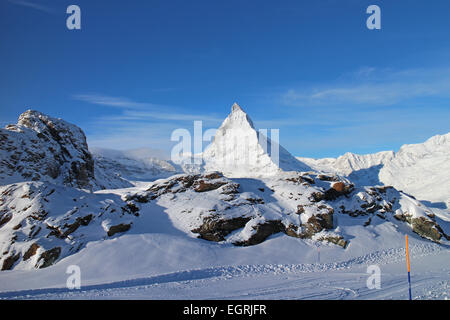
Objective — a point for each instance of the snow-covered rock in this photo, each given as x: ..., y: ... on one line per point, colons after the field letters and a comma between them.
x: 41, y: 148
x: 40, y: 223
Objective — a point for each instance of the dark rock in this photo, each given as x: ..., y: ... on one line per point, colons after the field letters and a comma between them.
x: 215, y: 229
x: 9, y: 262
x: 297, y: 180
x: 300, y: 209
x: 316, y: 196
x: 118, y: 229
x: 203, y: 186
x: 324, y: 177
x: 49, y: 257
x: 426, y: 228
x: 338, y: 240
x: 262, y: 232
x: 255, y: 201
x: 84, y: 221
x: 213, y: 175
x: 17, y: 227
x: 31, y: 251
x: 338, y: 189
x: 230, y: 188
x: 5, y: 219
x: 316, y: 224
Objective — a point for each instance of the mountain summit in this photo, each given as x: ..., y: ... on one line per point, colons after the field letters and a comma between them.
x: 40, y: 147
x: 238, y: 150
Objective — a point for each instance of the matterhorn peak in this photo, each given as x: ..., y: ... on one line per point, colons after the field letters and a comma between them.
x: 237, y: 119
x: 238, y: 150
x: 235, y: 107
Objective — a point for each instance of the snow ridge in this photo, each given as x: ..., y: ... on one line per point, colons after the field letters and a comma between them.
x: 422, y: 169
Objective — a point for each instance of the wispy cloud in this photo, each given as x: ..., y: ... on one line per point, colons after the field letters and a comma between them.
x: 117, y: 102
x: 32, y: 5
x: 372, y: 87
x: 134, y: 124
x: 140, y: 111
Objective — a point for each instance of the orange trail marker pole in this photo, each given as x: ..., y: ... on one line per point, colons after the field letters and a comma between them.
x: 407, y: 263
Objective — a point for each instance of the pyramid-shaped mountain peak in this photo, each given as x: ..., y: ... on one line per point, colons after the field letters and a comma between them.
x: 235, y: 107
x: 237, y: 119
x: 239, y: 150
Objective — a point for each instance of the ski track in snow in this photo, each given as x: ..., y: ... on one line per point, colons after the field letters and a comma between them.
x: 315, y: 282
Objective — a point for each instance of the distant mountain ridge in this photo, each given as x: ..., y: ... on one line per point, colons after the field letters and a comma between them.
x: 422, y: 170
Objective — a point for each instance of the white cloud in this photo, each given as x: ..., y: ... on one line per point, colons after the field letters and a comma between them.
x: 32, y: 5
x: 373, y: 88
x: 137, y: 124
x: 116, y: 102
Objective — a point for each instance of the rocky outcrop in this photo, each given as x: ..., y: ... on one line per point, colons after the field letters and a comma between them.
x: 123, y: 227
x: 337, y: 240
x: 337, y: 190
x: 261, y: 232
x: 48, y: 258
x: 9, y: 262
x: 43, y: 217
x: 32, y: 250
x: 426, y: 228
x: 215, y: 228
x: 423, y: 226
x: 41, y: 148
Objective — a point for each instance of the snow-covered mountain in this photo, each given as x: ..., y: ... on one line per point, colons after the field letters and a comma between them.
x: 239, y: 150
x: 121, y: 169
x: 422, y: 170
x: 44, y: 220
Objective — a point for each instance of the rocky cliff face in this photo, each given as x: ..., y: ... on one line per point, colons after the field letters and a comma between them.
x: 41, y: 148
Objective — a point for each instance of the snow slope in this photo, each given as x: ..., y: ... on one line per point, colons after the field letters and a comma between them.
x: 162, y: 264
x: 422, y: 170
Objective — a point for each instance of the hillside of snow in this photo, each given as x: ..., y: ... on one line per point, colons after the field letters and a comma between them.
x: 421, y: 170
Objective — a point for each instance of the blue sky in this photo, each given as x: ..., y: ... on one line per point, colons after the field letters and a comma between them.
x: 139, y: 69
